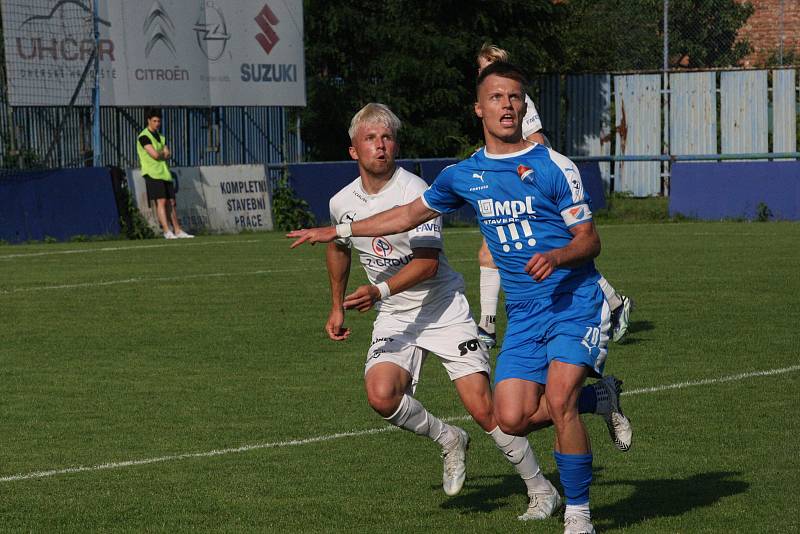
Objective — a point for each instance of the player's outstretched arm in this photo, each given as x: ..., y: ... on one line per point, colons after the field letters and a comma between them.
x: 424, y: 265
x: 393, y: 221
x: 585, y: 245
x: 337, y: 259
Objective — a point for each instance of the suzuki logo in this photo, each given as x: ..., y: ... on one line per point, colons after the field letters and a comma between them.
x: 266, y: 19
x: 157, y: 27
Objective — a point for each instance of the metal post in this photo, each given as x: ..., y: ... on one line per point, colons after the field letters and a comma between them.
x: 96, y: 140
x: 665, y: 103
x: 299, y: 155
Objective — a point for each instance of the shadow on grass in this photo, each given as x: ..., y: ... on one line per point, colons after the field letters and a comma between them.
x: 651, y: 498
x: 485, y: 493
x: 665, y: 498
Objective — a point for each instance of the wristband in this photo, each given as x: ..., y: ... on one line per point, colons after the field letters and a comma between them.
x: 383, y: 287
x: 344, y: 230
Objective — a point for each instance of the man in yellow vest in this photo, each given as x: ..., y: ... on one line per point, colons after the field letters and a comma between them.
x: 153, y: 155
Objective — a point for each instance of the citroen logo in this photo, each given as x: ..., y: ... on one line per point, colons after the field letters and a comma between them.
x: 157, y: 28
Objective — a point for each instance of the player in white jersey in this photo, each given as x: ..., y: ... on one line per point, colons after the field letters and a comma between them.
x: 619, y: 304
x: 421, y: 308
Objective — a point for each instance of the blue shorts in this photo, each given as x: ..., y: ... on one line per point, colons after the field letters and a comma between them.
x: 569, y: 327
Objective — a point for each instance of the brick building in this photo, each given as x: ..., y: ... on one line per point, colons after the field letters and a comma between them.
x: 772, y: 22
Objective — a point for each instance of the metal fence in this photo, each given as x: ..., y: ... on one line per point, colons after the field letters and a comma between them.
x: 197, y: 136
x: 642, y: 121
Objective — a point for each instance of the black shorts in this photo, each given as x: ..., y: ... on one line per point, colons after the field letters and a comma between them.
x: 159, y: 188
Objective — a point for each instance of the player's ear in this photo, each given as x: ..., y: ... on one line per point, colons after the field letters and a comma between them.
x: 478, y: 110
x: 353, y: 153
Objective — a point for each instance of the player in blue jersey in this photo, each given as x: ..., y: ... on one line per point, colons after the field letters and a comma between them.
x: 537, y: 222
x: 620, y: 305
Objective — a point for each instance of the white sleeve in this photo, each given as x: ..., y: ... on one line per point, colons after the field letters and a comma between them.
x: 427, y: 235
x: 343, y: 241
x: 531, y: 123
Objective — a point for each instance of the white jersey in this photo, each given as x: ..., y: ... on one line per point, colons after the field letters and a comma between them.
x: 382, y: 257
x: 531, y: 123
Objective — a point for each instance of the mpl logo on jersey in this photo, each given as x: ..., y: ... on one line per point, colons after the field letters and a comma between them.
x: 510, y: 208
x: 381, y: 247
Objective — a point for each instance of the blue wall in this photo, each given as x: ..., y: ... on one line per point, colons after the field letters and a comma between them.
x: 735, y: 189
x: 59, y: 204
x: 316, y: 183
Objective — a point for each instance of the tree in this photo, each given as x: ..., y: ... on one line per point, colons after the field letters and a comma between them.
x: 419, y: 59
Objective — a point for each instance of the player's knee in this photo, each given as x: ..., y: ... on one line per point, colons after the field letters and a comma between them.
x: 383, y: 398
x: 512, y: 422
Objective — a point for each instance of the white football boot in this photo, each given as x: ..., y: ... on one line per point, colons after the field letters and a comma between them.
x: 455, y: 466
x: 619, y: 426
x: 542, y: 505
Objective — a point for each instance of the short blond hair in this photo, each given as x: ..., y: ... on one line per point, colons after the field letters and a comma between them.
x: 492, y: 53
x: 374, y: 113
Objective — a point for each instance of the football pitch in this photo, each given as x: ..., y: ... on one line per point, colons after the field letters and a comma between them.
x: 188, y: 386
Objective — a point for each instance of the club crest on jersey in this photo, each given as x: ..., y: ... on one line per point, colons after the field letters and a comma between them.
x: 381, y: 247
x: 524, y: 172
x: 578, y: 212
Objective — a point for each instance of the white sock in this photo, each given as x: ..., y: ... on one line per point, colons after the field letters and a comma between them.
x: 518, y: 451
x: 490, y: 292
x: 579, y: 510
x: 611, y: 294
x: 412, y: 416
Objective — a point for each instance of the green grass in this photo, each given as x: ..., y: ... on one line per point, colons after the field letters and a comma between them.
x: 120, y: 351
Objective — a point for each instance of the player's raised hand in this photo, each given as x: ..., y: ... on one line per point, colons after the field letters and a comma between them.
x: 323, y: 234
x: 540, y: 266
x: 363, y: 298
x: 334, y: 327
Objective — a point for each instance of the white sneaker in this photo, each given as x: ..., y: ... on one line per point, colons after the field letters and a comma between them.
x: 183, y: 235
x: 620, y: 319
x: 619, y: 426
x: 169, y: 235
x: 576, y: 524
x: 455, y: 467
x: 542, y: 505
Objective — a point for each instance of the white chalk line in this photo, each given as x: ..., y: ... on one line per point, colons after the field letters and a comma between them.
x: 140, y: 280
x: 356, y: 433
x: 117, y: 249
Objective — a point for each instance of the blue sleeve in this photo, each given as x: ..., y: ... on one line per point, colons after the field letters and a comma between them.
x: 441, y: 195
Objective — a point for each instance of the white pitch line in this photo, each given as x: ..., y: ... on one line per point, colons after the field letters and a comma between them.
x: 116, y: 249
x: 356, y: 433
x: 139, y: 280
x: 708, y: 381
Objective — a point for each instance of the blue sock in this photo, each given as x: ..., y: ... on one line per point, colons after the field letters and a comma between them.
x: 576, y: 476
x: 587, y: 402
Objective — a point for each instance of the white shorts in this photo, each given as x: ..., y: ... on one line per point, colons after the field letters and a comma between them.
x: 407, y: 344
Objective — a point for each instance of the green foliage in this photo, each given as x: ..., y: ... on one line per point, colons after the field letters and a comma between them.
x: 416, y: 57
x: 622, y: 35
x: 138, y: 227
x: 419, y: 57
x: 288, y: 211
x: 763, y: 213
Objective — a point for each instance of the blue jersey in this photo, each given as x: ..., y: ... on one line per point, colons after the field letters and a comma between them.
x: 526, y: 203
